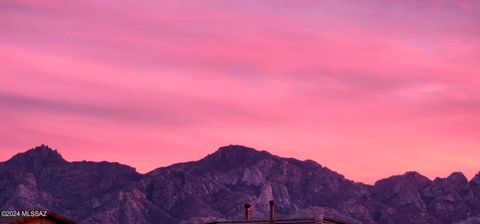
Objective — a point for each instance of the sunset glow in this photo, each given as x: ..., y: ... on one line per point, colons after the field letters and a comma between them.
x: 367, y: 88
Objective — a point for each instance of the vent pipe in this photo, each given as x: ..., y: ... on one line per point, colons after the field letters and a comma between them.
x: 247, y: 211
x: 272, y: 210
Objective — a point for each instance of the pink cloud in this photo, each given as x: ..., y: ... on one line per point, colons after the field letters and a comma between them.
x: 368, y: 88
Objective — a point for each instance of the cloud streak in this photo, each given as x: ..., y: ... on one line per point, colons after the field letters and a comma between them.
x: 152, y: 83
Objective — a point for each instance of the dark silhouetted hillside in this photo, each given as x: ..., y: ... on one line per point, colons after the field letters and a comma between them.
x: 217, y: 186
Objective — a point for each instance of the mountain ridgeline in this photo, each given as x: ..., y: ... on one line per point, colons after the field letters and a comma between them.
x: 217, y: 186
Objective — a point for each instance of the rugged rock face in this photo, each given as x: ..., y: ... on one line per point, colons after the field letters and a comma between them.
x: 403, y: 193
x: 217, y: 186
x: 43, y: 179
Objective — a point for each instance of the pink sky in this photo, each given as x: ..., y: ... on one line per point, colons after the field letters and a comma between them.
x: 368, y: 88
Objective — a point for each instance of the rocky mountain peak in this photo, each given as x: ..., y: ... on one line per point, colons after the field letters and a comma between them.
x: 35, y: 159
x: 45, y: 152
x: 456, y: 180
x: 457, y: 177
x: 236, y: 150
x: 416, y: 177
x: 410, y: 179
x: 413, y: 174
x: 475, y: 185
x: 476, y: 180
x: 235, y: 155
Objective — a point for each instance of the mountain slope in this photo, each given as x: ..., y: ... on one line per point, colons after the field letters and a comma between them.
x: 217, y: 186
x: 64, y: 185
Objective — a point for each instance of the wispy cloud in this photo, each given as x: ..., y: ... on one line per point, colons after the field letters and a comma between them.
x: 327, y: 80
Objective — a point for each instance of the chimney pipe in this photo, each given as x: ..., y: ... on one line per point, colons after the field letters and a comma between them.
x: 247, y: 211
x: 272, y: 210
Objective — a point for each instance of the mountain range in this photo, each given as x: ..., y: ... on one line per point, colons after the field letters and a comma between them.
x: 217, y: 186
